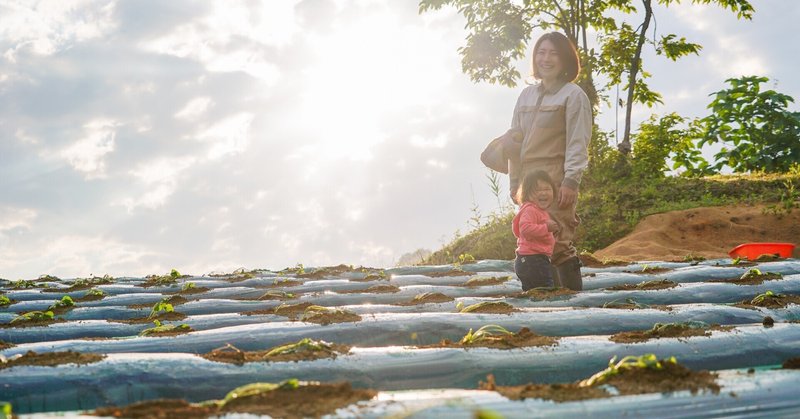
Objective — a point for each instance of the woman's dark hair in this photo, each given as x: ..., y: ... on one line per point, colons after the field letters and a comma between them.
x: 566, y: 53
x: 529, y: 183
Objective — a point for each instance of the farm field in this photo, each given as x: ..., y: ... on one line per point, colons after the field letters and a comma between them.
x: 697, y: 338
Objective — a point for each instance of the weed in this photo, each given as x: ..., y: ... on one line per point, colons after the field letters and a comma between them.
x: 485, y: 332
x: 23, y: 283
x: 466, y: 258
x: 648, y: 361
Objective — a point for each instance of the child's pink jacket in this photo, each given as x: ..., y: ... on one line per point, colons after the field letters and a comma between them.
x: 531, y: 231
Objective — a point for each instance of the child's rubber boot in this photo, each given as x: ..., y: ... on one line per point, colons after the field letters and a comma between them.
x: 569, y: 274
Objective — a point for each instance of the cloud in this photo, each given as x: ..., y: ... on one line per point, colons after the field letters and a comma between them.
x: 12, y: 218
x: 86, y: 155
x: 195, y: 108
x: 228, y: 137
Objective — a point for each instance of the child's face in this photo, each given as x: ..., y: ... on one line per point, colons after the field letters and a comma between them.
x: 542, y: 195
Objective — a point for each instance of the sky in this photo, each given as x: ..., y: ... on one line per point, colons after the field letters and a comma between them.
x: 207, y: 136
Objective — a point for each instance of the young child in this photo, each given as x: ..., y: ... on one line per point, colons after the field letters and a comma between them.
x: 534, y: 231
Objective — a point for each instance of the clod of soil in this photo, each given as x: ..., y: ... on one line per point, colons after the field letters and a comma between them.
x: 646, y: 285
x: 751, y: 280
x: 485, y: 281
x: 375, y: 289
x: 31, y: 323
x: 319, y: 350
x: 452, y: 272
x: 427, y: 297
x: 52, y: 359
x: 330, y: 316
x: 666, y: 331
x: 493, y: 307
x: 372, y: 277
x: 792, y: 363
x: 650, y: 270
x: 292, y: 311
x: 158, y: 409
x: 312, y: 400
x: 522, y: 339
x: 556, y: 392
x: 279, y: 284
x: 544, y: 293
x: 590, y: 261
x: 86, y: 298
x: 768, y: 321
x: 193, y: 290
x: 5, y: 345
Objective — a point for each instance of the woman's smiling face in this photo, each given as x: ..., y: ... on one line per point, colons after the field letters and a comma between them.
x: 543, y: 195
x: 548, y: 63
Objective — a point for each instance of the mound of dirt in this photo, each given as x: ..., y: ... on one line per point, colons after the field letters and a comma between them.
x: 708, y: 232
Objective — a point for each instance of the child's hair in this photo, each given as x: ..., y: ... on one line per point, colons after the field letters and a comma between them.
x: 529, y: 182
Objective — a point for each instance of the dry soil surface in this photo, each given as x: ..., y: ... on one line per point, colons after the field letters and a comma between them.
x: 709, y: 232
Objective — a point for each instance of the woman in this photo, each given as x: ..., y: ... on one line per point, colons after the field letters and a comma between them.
x: 554, y: 118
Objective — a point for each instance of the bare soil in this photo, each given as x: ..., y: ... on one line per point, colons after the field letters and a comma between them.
x: 646, y: 285
x: 375, y: 289
x: 591, y: 261
x: 158, y: 409
x: 649, y: 270
x: 333, y: 316
x: 452, y: 272
x: 172, y: 332
x: 709, y: 232
x: 433, y: 297
x: 672, y: 332
x: 492, y: 307
x: 39, y: 323
x: 483, y: 281
x: 292, y: 311
x: 192, y: 291
x: 5, y: 345
x: 544, y: 293
x: 792, y: 363
x: 86, y: 298
x: 171, y: 316
x: 752, y: 280
x: 280, y: 284
x: 52, y: 359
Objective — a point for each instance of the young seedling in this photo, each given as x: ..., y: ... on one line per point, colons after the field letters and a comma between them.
x: 758, y: 299
x: 164, y: 328
x: 95, y: 292
x: 755, y: 273
x: 33, y: 316
x: 65, y: 302
x: 628, y: 303
x: 304, y: 345
x: 648, y: 361
x: 159, y: 308
x: 188, y: 286
x: 485, y: 332
x: 254, y: 389
x: 174, y: 274
x: 4, y: 301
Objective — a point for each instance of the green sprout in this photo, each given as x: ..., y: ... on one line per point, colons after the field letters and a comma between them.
x: 628, y: 303
x: 95, y: 292
x: 737, y: 260
x: 304, y: 345
x: 188, y: 286
x: 478, y: 306
x: 64, y: 302
x: 162, y: 328
x: 4, y: 301
x: 174, y: 274
x: 5, y: 409
x: 485, y: 332
x: 34, y: 316
x: 159, y: 307
x: 648, y: 361
x: 23, y: 283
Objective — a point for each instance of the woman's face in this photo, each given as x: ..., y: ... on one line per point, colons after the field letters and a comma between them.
x: 548, y: 63
x: 543, y: 195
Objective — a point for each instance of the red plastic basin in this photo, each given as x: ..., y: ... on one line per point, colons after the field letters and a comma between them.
x: 754, y: 250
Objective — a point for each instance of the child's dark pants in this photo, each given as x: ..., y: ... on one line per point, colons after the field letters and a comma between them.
x: 533, y: 271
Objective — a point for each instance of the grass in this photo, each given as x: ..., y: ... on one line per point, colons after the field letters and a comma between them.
x: 610, y: 208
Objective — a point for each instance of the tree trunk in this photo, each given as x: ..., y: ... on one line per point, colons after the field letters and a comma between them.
x: 625, y: 146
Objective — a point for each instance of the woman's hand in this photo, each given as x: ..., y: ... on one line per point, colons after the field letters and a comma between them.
x: 552, y: 226
x: 566, y: 197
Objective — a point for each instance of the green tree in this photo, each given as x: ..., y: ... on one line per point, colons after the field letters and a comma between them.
x: 754, y: 126
x: 671, y: 137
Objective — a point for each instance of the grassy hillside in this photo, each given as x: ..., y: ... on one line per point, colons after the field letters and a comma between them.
x: 610, y: 208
